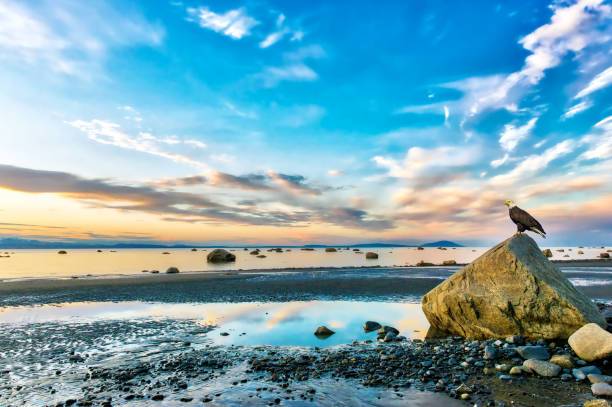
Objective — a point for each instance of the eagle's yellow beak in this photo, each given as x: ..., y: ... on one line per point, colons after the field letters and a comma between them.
x: 507, y: 203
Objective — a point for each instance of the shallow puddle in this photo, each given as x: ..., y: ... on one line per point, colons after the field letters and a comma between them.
x: 284, y: 323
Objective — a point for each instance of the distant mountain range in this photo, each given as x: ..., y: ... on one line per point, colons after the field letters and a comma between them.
x: 17, y: 243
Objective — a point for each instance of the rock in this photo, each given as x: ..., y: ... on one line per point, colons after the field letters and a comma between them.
x: 449, y: 262
x: 424, y: 264
x: 519, y: 370
x: 542, y: 367
x: 390, y: 337
x: 371, y: 255
x: 591, y: 342
x: 370, y: 326
x: 99, y: 251
x: 533, y: 352
x: 220, y: 256
x: 581, y: 373
x: 254, y: 252
x: 157, y: 397
x: 565, y: 361
x: 62, y: 252
x: 596, y: 403
x: 510, y: 289
x: 383, y: 330
x: 601, y: 389
x: 604, y: 255
x: 224, y: 334
x: 491, y: 353
x: 323, y: 331
x: 580, y: 252
x: 515, y: 339
x: 463, y: 389
x: 144, y: 271
x: 172, y: 270
x: 420, y: 248
x: 330, y: 250
x: 547, y: 253
x: 261, y: 256
x: 154, y: 271
x: 599, y: 378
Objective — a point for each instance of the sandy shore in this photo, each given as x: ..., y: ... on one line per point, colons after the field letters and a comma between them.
x: 235, y: 286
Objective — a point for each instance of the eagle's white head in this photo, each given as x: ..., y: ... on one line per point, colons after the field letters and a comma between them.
x: 510, y: 204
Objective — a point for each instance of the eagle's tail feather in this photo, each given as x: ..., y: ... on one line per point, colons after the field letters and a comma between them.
x: 538, y: 232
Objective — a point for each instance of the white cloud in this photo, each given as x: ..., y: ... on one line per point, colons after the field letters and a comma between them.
x: 233, y: 23
x: 534, y: 163
x: 512, y: 134
x: 334, y: 173
x: 294, y: 69
x: 500, y: 162
x: 295, y: 72
x: 600, y: 81
x: 196, y: 143
x: 577, y: 108
x: 110, y: 133
x: 69, y: 37
x: 420, y: 160
x: 571, y: 29
x: 600, y: 143
x: 273, y: 38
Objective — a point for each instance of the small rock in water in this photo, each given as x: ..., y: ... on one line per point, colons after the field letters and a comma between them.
x: 533, y: 352
x: 154, y: 271
x: 323, y: 331
x: 542, y: 367
x: 157, y: 397
x: 224, y: 334
x: 601, y: 389
x: 370, y: 326
x: 385, y: 329
x: 172, y: 270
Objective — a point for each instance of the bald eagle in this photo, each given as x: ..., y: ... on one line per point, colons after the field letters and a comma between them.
x: 523, y: 220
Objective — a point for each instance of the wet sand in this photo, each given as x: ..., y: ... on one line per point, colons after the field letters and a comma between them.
x: 235, y: 286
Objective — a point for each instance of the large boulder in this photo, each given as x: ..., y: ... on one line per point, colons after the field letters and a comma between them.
x: 591, y: 342
x: 511, y: 289
x: 220, y: 256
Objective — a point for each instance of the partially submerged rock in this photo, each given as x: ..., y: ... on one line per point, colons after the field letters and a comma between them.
x: 547, y: 252
x: 424, y: 264
x: 220, y: 256
x: 604, y: 255
x: 591, y: 342
x: 371, y: 255
x: 511, y: 289
x: 370, y: 326
x: 62, y: 252
x: 330, y: 250
x: 449, y: 262
x: 172, y: 270
x: 323, y: 331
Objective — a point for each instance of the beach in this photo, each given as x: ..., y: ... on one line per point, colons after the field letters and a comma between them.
x: 245, y: 337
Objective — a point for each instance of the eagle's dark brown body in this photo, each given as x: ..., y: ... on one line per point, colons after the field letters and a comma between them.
x: 525, y: 221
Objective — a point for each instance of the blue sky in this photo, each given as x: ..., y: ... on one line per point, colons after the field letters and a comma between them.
x: 289, y: 122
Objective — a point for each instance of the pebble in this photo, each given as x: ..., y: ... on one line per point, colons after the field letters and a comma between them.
x: 542, y: 367
x: 565, y: 361
x: 582, y: 372
x: 491, y: 353
x: 519, y: 370
x: 596, y: 403
x: 599, y: 378
x: 533, y: 352
x: 601, y: 389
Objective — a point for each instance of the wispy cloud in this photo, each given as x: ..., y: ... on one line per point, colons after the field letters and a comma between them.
x: 294, y: 69
x: 513, y: 134
x: 68, y: 37
x: 577, y: 108
x: 534, y: 163
x: 233, y: 23
x: 600, y: 81
x: 599, y: 142
x: 110, y: 133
